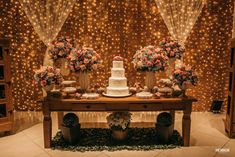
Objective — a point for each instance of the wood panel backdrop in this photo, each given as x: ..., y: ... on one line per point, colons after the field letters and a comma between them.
x: 114, y: 27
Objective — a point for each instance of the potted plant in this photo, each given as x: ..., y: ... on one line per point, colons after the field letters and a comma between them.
x: 174, y: 50
x: 83, y: 61
x: 119, y: 123
x: 59, y: 50
x: 184, y: 76
x: 47, y: 77
x: 150, y: 59
x: 71, y: 128
x: 164, y: 127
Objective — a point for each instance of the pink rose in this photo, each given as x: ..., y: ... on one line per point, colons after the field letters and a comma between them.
x: 72, y: 68
x: 149, y: 63
x: 69, y: 58
x: 149, y: 52
x: 43, y: 82
x: 89, y: 56
x: 159, y: 64
x: 158, y: 56
x: 172, y: 53
x: 86, y: 61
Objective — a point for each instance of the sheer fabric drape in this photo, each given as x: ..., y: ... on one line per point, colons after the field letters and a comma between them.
x: 180, y: 16
x: 47, y: 18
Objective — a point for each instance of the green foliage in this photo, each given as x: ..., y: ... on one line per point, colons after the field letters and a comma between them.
x: 70, y: 120
x: 164, y: 119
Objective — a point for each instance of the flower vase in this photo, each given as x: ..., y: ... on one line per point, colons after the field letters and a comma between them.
x: 183, y: 88
x: 171, y: 66
x: 84, y: 80
x: 63, y: 65
x: 119, y: 135
x: 150, y: 79
x: 46, y: 90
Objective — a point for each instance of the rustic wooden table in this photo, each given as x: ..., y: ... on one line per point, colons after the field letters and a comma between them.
x: 104, y: 104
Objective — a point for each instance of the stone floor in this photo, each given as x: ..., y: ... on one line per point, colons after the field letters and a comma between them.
x: 208, y: 138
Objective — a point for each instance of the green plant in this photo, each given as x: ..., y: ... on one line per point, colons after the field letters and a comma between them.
x: 164, y: 119
x: 70, y: 120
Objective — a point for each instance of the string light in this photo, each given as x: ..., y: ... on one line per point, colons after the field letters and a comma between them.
x: 120, y: 28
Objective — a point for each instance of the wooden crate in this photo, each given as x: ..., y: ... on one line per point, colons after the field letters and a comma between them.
x: 230, y: 114
x: 6, y: 107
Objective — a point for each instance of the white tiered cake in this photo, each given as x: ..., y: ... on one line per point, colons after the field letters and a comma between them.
x: 117, y: 81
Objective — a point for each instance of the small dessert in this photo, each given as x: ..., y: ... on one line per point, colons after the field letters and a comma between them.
x: 144, y: 95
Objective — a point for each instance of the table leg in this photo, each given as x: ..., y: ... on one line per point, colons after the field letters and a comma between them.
x: 172, y: 112
x: 60, y: 118
x: 47, y: 126
x: 186, y: 124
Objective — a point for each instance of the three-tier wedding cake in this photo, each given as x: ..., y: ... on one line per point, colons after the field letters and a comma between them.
x: 117, y: 81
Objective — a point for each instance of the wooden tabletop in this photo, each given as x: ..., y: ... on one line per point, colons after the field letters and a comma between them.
x: 131, y: 99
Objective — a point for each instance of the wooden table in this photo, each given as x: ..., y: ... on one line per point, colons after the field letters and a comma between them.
x: 104, y: 104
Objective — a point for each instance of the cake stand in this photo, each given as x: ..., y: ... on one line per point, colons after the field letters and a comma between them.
x: 116, y: 96
x: 144, y: 95
x: 90, y: 96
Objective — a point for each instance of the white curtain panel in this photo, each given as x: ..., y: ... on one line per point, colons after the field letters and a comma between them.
x: 47, y: 18
x: 180, y: 16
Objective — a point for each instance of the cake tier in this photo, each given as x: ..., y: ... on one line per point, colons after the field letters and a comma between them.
x: 117, y: 82
x: 117, y: 72
x: 117, y: 64
x: 117, y: 91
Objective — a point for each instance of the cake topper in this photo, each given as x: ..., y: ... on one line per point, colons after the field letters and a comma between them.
x: 118, y: 58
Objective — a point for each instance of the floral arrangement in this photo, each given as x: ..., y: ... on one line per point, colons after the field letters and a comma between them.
x: 119, y: 120
x: 150, y: 58
x: 61, y: 48
x: 48, y: 75
x: 85, y: 59
x: 172, y: 48
x: 184, y: 74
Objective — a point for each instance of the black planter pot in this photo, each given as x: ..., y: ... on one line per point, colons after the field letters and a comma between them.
x: 71, y: 134
x: 164, y: 133
x: 164, y: 127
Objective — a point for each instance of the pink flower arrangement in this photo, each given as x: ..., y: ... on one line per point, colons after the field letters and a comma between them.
x: 172, y: 48
x: 61, y: 48
x: 48, y: 75
x: 85, y: 59
x: 184, y: 74
x: 150, y: 58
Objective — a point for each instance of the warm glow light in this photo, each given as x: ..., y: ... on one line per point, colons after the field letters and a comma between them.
x: 122, y: 27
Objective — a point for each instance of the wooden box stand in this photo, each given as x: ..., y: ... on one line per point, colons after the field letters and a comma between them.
x: 6, y: 107
x: 230, y: 114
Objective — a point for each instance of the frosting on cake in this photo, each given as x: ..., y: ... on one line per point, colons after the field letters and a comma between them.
x: 118, y: 81
x: 117, y: 64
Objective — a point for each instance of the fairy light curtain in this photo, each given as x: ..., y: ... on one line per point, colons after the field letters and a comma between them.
x: 233, y: 36
x: 180, y: 16
x: 47, y: 18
